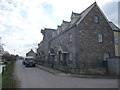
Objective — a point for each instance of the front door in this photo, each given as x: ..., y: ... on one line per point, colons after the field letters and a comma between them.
x: 64, y: 59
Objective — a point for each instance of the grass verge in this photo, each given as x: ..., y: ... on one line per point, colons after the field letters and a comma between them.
x: 8, y: 80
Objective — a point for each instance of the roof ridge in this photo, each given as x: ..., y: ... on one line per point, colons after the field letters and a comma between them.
x: 66, y: 21
x: 89, y: 7
x: 86, y: 11
x: 75, y: 13
x: 49, y: 29
x: 113, y: 26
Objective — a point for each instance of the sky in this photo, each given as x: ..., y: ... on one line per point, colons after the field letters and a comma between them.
x: 22, y: 20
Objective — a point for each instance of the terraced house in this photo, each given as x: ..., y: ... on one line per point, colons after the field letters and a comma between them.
x: 84, y: 42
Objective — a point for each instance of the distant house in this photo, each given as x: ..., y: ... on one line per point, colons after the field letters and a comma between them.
x: 1, y: 52
x: 1, y: 49
x: 116, y: 38
x: 84, y: 42
x: 31, y: 53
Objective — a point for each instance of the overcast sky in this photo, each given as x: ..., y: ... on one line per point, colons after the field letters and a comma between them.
x: 22, y: 20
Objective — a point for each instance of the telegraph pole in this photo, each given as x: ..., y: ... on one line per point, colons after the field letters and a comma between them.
x: 118, y: 60
x: 119, y: 14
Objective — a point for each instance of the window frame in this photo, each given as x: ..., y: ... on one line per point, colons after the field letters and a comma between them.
x: 70, y: 37
x: 95, y: 19
x: 70, y: 57
x: 106, y: 55
x: 53, y: 34
x: 100, y: 37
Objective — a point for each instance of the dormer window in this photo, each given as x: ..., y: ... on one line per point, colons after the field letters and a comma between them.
x: 95, y: 19
x: 53, y: 34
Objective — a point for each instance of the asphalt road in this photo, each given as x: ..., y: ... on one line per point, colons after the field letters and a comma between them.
x: 35, y: 77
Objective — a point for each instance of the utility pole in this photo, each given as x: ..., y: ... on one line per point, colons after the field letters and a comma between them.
x: 0, y: 40
x: 119, y: 14
x: 1, y: 50
x: 118, y: 60
x: 14, y: 51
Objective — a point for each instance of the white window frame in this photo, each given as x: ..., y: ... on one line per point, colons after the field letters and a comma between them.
x: 53, y: 34
x: 70, y: 37
x: 106, y: 56
x: 100, y: 37
x: 95, y: 19
x: 70, y: 56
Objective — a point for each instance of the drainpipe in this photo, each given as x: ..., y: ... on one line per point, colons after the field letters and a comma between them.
x: 76, y: 37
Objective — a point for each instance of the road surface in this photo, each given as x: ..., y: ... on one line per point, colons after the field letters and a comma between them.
x: 35, y: 77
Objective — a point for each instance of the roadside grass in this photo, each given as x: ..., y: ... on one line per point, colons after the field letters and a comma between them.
x: 8, y: 80
x: 0, y: 81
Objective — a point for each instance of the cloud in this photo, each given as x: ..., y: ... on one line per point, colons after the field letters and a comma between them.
x: 22, y: 20
x: 111, y: 11
x: 47, y: 8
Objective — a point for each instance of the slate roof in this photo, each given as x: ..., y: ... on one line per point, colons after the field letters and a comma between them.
x: 63, y: 49
x: 114, y: 27
x: 85, y: 12
x: 81, y: 15
x: 51, y: 52
x: 42, y: 53
x: 31, y: 51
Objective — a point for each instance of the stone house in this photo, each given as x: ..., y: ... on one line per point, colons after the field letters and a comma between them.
x: 116, y: 39
x: 84, y: 42
x: 1, y: 52
x: 31, y: 53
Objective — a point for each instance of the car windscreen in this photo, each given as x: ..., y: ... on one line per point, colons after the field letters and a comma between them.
x: 29, y: 59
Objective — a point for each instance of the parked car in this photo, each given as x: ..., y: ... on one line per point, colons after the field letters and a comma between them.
x: 23, y: 62
x: 29, y: 61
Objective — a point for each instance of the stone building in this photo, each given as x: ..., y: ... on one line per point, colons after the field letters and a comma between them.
x: 84, y: 42
x: 31, y: 53
x: 116, y: 39
x: 1, y: 52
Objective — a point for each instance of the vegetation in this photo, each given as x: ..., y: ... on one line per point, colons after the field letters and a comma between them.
x: 8, y: 57
x: 8, y: 80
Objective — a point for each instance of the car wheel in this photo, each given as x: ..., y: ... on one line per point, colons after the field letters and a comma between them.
x: 34, y: 65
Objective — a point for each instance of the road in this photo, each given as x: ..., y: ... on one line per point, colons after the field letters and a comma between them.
x: 35, y: 77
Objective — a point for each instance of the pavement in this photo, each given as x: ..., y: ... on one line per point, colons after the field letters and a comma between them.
x: 58, y: 72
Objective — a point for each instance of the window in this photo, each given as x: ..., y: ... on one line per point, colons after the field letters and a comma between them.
x: 58, y: 32
x: 61, y: 42
x: 53, y: 34
x: 61, y: 57
x: 39, y: 53
x: 70, y: 37
x: 100, y: 37
x: 116, y: 38
x: 106, y: 56
x: 70, y: 57
x: 96, y: 19
x: 46, y: 57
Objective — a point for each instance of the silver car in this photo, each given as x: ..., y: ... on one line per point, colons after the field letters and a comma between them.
x: 29, y: 62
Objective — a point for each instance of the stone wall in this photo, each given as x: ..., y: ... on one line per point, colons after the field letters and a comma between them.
x: 90, y: 50
x: 63, y: 39
x: 114, y: 66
